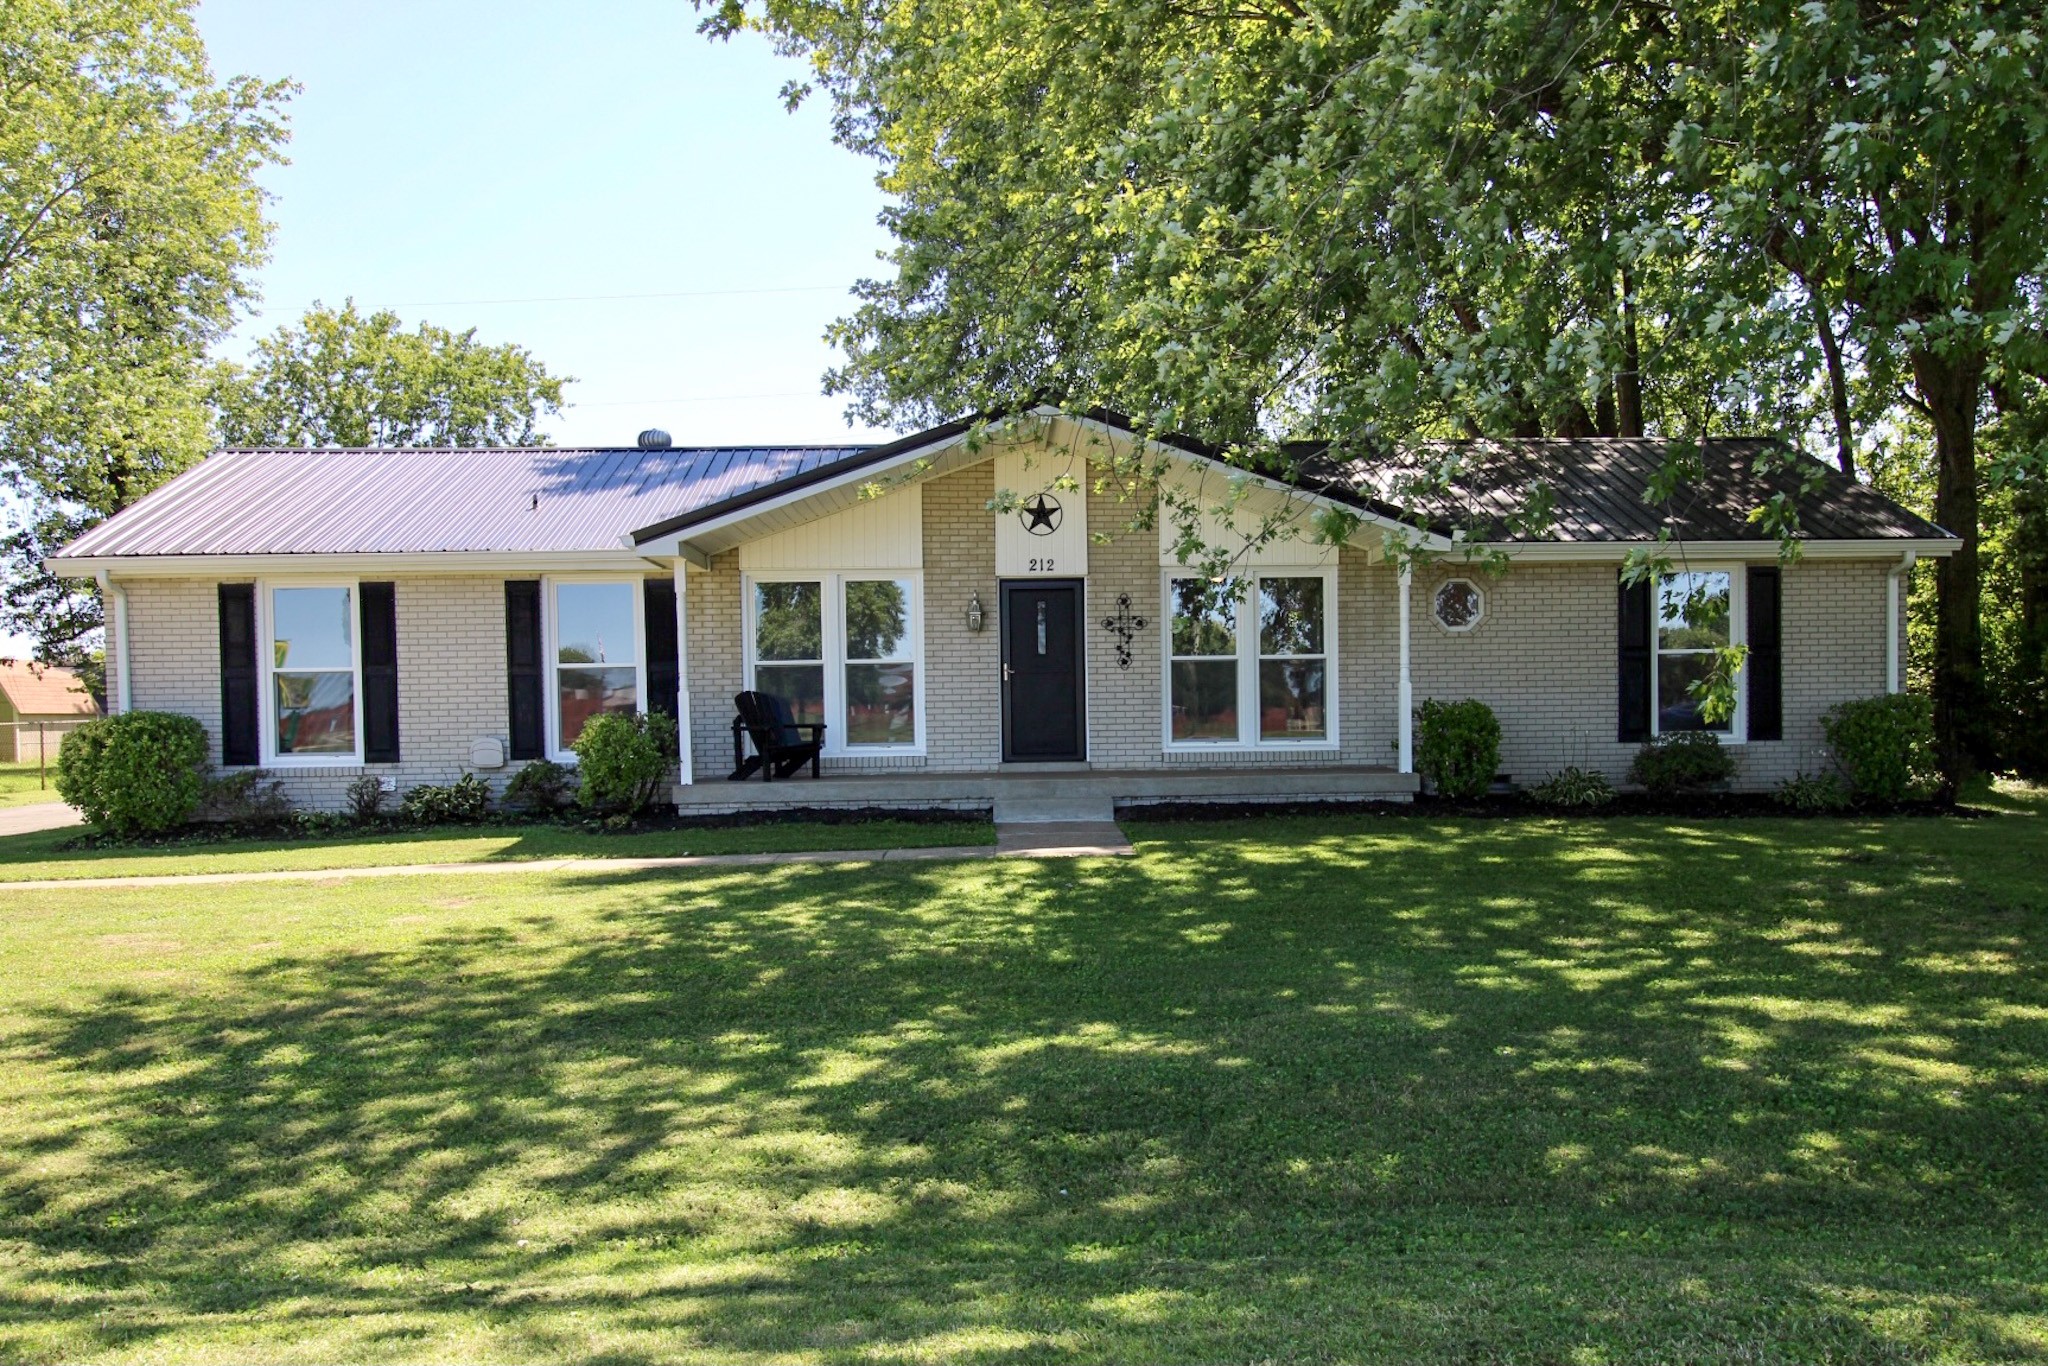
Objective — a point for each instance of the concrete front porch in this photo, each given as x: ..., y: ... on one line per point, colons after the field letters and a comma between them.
x: 1024, y: 792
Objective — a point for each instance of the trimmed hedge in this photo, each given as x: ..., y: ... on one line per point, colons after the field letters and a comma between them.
x: 1458, y: 747
x: 1683, y: 761
x: 1885, y: 747
x: 140, y: 772
x: 621, y: 759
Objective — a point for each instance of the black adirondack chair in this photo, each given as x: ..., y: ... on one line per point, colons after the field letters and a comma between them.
x: 781, y: 746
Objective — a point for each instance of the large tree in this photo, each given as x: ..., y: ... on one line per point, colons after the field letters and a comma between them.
x: 1373, y: 220
x: 345, y: 378
x: 130, y: 225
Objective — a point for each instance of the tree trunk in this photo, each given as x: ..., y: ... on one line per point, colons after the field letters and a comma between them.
x: 1838, y: 389
x: 1951, y: 389
x: 2027, y: 719
x: 1628, y: 385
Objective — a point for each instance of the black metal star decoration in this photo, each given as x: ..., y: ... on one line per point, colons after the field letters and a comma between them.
x: 1042, y: 515
x: 1123, y: 626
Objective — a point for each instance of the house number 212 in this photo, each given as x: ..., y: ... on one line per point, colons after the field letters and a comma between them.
x: 1039, y: 565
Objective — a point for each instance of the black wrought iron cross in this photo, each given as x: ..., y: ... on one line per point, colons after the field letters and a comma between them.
x: 1123, y: 626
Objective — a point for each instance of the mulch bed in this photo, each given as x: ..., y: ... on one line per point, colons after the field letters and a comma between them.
x: 1513, y: 806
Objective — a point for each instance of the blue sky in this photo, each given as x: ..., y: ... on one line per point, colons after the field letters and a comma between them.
x: 449, y: 156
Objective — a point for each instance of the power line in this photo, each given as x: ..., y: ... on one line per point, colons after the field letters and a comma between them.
x: 695, y: 398
x: 614, y: 298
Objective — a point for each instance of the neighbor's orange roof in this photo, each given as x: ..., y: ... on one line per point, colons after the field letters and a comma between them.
x: 45, y: 690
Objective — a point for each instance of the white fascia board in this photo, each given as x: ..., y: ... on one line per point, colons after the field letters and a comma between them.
x: 1427, y: 540
x: 677, y: 543
x: 366, y: 565
x: 1610, y: 552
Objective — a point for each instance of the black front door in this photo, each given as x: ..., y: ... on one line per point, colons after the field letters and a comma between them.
x: 1043, y: 712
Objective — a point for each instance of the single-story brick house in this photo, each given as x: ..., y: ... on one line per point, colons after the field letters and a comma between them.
x: 39, y: 705
x: 425, y: 613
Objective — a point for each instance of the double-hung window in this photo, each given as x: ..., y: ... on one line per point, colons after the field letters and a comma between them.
x: 594, y: 654
x: 312, y: 660
x: 841, y: 649
x: 1698, y: 615
x: 1249, y: 660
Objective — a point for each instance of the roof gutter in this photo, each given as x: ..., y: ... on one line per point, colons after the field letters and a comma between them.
x: 1600, y: 552
x: 1894, y: 671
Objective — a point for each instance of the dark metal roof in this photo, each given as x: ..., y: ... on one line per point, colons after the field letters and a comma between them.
x: 357, y: 501
x: 541, y: 500
x: 1599, y: 490
x: 854, y: 458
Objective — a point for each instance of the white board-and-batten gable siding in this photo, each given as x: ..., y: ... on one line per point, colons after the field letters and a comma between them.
x: 1234, y: 510
x: 875, y: 533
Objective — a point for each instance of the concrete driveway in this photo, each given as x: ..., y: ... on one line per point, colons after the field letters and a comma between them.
x: 21, y: 820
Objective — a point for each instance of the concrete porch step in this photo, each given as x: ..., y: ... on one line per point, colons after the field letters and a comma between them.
x: 1081, y: 804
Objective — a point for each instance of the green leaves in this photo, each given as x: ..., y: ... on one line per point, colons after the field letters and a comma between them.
x: 130, y: 226
x: 343, y: 378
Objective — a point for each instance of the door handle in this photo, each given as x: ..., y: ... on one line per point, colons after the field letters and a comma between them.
x: 1006, y: 673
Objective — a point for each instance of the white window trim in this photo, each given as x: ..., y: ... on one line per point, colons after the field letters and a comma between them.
x: 549, y: 662
x: 1477, y: 617
x: 1738, y: 634
x: 1248, y: 739
x: 266, y: 660
x: 832, y: 589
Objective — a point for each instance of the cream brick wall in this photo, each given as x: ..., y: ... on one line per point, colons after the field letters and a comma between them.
x: 1543, y: 658
x: 711, y: 614
x: 963, y: 702
x: 451, y: 675
x: 174, y: 651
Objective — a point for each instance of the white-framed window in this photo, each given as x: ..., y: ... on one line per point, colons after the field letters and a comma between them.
x: 1458, y: 605
x: 1699, y: 611
x: 1250, y: 661
x: 596, y: 654
x: 845, y: 649
x: 312, y: 659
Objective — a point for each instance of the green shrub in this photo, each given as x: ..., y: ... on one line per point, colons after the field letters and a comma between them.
x: 364, y: 799
x: 1573, y: 788
x: 1683, y: 761
x: 246, y: 796
x: 622, y: 758
x: 464, y: 801
x: 1812, y: 792
x: 140, y: 771
x: 543, y: 785
x: 1458, y: 747
x: 1885, y: 747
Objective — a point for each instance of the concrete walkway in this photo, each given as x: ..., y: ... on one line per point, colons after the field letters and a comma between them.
x: 1068, y: 845
x: 1061, y: 839
x: 26, y: 820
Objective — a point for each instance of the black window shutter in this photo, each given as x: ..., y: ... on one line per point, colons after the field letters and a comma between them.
x: 1634, y: 659
x: 664, y: 666
x: 522, y: 667
x: 1766, y: 659
x: 238, y: 703
x: 377, y: 605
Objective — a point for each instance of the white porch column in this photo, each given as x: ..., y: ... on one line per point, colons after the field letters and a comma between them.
x: 1405, y: 694
x: 683, y: 665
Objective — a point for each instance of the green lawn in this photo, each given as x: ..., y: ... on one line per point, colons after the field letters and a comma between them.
x: 1342, y: 1089
x: 25, y: 858
x: 20, y: 785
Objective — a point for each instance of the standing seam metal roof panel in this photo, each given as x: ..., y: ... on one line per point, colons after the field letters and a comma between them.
x: 356, y: 501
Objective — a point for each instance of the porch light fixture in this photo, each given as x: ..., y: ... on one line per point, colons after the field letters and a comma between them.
x: 974, y: 613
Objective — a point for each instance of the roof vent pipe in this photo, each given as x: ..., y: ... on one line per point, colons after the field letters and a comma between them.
x: 654, y: 439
